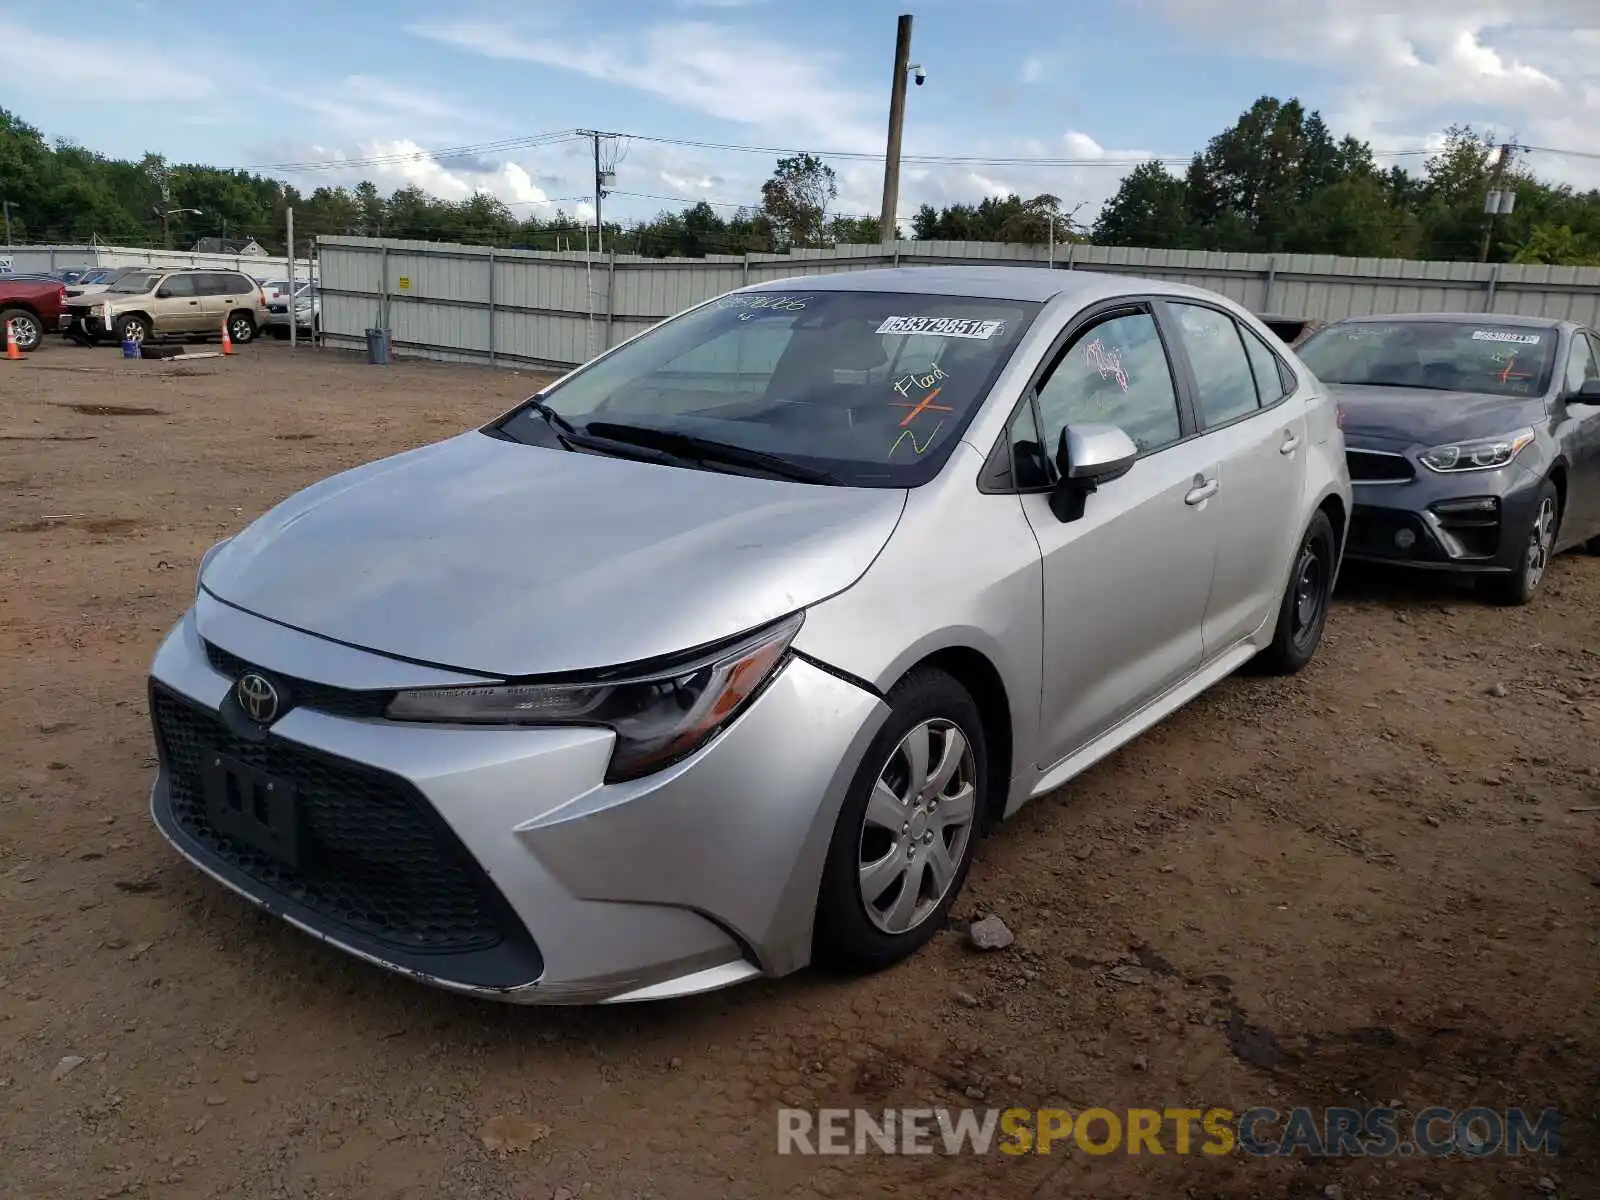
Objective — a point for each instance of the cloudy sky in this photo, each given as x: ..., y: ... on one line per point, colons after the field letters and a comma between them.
x: 368, y: 89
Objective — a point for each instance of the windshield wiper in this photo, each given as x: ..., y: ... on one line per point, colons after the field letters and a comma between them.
x: 692, y: 446
x: 552, y: 418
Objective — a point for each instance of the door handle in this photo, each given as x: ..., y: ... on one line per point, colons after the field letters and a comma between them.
x: 1291, y: 443
x: 1202, y: 491
x: 193, y: 302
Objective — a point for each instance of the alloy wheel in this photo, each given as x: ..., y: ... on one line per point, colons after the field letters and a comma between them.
x: 240, y: 330
x: 27, y: 331
x: 918, y: 825
x: 1541, y: 538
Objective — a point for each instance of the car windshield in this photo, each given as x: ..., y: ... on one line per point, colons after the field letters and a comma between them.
x: 135, y: 282
x: 1445, y: 356
x: 871, y: 388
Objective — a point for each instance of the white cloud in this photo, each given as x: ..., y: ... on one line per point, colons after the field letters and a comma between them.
x: 36, y: 60
x: 732, y: 74
x: 1033, y: 69
x: 1405, y: 69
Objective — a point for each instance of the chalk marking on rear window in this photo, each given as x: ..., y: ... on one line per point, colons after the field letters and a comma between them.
x: 956, y: 327
x: 1500, y: 335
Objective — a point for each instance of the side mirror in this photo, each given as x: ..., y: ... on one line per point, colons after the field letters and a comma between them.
x: 1086, y: 457
x: 163, y: 293
x: 1589, y: 393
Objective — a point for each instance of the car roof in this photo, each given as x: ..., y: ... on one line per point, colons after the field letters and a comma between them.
x: 1037, y: 284
x: 1516, y: 320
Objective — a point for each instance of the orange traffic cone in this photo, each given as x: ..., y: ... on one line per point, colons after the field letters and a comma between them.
x: 227, y: 342
x: 11, y: 342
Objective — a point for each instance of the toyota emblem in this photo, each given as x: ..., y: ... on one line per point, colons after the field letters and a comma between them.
x: 257, y: 697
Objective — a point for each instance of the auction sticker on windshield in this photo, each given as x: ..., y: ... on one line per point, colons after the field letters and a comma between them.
x: 957, y: 327
x: 1500, y: 335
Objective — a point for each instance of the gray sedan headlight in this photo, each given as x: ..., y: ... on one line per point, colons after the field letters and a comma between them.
x: 658, y: 717
x: 1480, y: 454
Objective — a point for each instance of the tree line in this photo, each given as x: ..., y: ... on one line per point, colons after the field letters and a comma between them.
x: 1276, y: 181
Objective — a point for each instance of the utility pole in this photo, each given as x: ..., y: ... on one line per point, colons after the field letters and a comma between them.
x: 7, y: 206
x: 897, y: 118
x: 601, y: 178
x: 294, y: 307
x: 1496, y: 201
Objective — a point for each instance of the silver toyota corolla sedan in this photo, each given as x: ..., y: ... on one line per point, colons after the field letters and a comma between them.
x: 717, y: 657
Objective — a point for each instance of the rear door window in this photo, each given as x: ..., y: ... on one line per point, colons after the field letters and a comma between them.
x: 1224, y: 382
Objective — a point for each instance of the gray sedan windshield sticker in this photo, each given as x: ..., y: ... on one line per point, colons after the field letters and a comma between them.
x: 956, y: 327
x: 1500, y: 335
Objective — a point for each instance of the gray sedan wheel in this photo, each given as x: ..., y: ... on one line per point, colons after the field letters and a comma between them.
x: 1538, y: 548
x: 904, y: 837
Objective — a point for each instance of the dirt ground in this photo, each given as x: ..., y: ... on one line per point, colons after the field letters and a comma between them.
x: 1378, y: 881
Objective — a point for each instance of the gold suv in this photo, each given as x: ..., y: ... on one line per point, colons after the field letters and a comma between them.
x: 164, y: 302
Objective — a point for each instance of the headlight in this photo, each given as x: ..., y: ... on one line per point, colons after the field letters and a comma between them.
x: 1481, y: 454
x: 658, y: 717
x: 205, y: 559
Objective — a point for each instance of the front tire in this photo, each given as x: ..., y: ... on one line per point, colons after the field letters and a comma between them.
x: 904, y: 838
x: 1538, y: 548
x: 1303, y: 611
x: 133, y: 328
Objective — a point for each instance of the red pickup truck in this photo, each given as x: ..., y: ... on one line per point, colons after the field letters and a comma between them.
x: 31, y: 306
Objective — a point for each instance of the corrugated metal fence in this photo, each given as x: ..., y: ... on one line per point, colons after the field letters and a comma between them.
x: 471, y: 303
x: 47, y: 258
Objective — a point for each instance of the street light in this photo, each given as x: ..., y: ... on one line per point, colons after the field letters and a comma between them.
x: 166, y: 220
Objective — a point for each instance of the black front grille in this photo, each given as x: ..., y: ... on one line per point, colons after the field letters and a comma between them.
x: 375, y: 857
x: 303, y: 693
x: 1372, y: 466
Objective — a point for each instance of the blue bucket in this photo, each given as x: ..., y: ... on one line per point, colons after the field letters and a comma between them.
x: 130, y: 348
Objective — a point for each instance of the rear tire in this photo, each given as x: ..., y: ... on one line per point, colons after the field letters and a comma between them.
x: 1303, y: 611
x: 241, y: 328
x: 26, y: 327
x: 1538, y: 548
x: 906, y: 833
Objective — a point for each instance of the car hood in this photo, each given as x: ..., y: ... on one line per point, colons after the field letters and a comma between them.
x: 1421, y: 416
x: 505, y: 559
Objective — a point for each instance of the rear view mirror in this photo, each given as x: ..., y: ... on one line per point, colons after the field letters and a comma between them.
x: 1087, y: 456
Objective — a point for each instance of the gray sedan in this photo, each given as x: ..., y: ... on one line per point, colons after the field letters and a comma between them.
x: 717, y: 657
x: 1474, y: 441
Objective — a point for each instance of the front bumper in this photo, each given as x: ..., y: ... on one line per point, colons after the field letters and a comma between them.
x: 1474, y: 522
x: 498, y: 862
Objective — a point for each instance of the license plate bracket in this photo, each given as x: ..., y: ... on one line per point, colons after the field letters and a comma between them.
x: 254, y: 808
